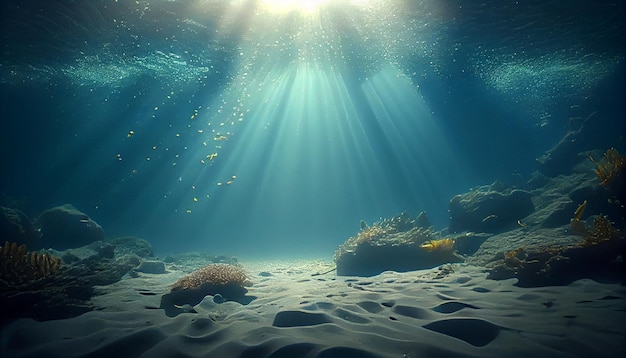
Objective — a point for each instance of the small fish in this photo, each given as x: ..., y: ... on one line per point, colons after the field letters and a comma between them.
x: 130, y: 133
x: 446, y: 244
x: 579, y: 211
x: 520, y: 223
x: 487, y: 218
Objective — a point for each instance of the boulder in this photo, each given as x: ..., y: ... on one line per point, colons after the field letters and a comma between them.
x: 126, y: 245
x: 489, y: 209
x: 15, y: 226
x: 65, y: 227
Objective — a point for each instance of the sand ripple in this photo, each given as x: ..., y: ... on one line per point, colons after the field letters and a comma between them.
x: 392, y: 315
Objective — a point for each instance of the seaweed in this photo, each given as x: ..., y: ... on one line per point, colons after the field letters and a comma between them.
x: 19, y: 266
x: 609, y: 166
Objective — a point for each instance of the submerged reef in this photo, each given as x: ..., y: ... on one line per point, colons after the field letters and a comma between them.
x: 15, y: 226
x: 399, y: 244
x: 493, y: 208
x: 224, y: 282
x: 575, y: 232
x: 19, y: 266
x: 52, y: 284
x: 598, y: 256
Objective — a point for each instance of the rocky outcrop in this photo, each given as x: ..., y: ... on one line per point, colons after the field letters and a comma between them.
x: 64, y: 227
x: 399, y: 244
x: 15, y: 226
x: 489, y: 208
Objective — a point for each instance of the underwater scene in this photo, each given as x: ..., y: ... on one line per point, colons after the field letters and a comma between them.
x: 312, y: 178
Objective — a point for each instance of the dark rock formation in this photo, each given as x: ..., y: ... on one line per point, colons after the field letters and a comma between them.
x: 489, y: 209
x: 601, y: 261
x: 64, y: 227
x: 370, y: 260
x: 400, y: 243
x: 15, y: 226
x: 66, y: 293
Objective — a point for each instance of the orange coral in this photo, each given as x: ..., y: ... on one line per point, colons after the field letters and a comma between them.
x: 609, y: 166
x: 18, y: 265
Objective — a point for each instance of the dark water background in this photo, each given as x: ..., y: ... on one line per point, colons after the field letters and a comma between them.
x: 356, y: 112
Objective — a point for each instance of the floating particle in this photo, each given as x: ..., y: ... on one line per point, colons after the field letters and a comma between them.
x: 148, y: 158
x: 156, y: 108
x: 154, y: 147
x: 188, y: 211
x: 220, y: 137
x: 202, y: 161
x: 195, y: 200
x: 229, y: 182
x: 178, y: 134
x: 219, y: 183
x: 234, y: 177
x: 211, y: 156
x: 130, y: 133
x: 118, y: 156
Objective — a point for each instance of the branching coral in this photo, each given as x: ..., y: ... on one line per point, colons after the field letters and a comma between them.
x: 213, y: 274
x: 18, y: 265
x: 609, y: 166
x: 219, y: 280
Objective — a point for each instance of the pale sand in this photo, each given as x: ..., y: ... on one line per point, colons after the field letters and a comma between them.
x: 412, y: 314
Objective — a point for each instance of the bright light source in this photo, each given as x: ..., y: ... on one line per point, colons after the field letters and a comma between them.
x: 286, y: 6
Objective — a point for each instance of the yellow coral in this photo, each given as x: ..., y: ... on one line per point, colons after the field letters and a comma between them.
x: 609, y: 166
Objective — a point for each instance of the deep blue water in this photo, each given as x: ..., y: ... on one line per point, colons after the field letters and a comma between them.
x: 231, y: 127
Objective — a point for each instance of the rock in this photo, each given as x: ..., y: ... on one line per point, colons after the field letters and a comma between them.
x: 487, y: 210
x: 391, y: 245
x: 152, y: 266
x: 422, y: 220
x: 594, y: 131
x: 16, y: 227
x: 131, y: 245
x: 68, y: 292
x: 562, y: 265
x: 370, y: 260
x: 65, y: 227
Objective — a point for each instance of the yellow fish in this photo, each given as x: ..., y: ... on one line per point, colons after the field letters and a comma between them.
x: 446, y: 244
x: 579, y: 211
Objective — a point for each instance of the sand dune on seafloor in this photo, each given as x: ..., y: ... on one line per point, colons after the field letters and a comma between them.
x: 295, y: 314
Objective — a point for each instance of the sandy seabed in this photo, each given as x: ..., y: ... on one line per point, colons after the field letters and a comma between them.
x: 301, y: 313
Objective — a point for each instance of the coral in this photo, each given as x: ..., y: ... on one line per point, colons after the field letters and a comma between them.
x: 596, y: 256
x: 19, y: 266
x: 401, y: 243
x: 213, y: 274
x: 401, y: 229
x: 609, y: 166
x: 219, y: 280
x: 602, y: 231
